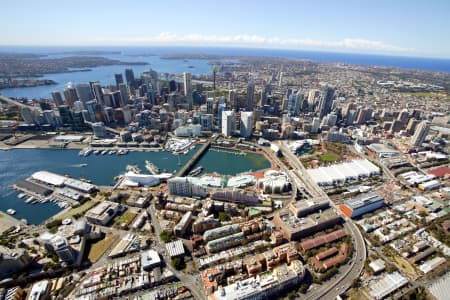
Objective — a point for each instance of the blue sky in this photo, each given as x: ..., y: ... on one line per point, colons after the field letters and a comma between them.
x: 412, y: 28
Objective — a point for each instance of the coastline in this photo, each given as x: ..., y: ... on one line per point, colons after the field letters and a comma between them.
x: 7, y: 221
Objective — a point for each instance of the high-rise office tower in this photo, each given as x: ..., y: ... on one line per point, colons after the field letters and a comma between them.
x: 70, y: 94
x: 108, y: 100
x: 250, y: 95
x: 209, y: 105
x: 57, y: 98
x: 227, y: 122
x: 119, y: 79
x: 295, y: 103
x: 90, y: 106
x: 246, y: 126
x: 403, y: 116
x: 117, y: 99
x: 98, y: 92
x: 421, y: 133
x: 214, y: 70
x: 84, y: 92
x: 187, y: 81
x: 315, y: 125
x: 232, y: 97
x: 206, y: 120
x: 220, y: 108
x: 29, y: 115
x: 312, y: 96
x: 326, y: 101
x: 66, y: 115
x: 124, y: 93
x: 129, y: 76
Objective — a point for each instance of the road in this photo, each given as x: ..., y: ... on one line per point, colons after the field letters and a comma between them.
x: 191, y: 282
x: 347, y: 274
x: 12, y: 102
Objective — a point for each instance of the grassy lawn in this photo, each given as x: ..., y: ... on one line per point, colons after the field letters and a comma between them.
x: 328, y: 157
x: 427, y: 94
x: 126, y: 218
x: 357, y: 294
x: 405, y: 266
x: 80, y: 209
x: 99, y: 248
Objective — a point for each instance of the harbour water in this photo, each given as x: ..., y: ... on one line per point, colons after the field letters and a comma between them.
x: 101, y: 169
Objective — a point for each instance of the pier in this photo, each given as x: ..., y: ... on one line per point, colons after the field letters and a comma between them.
x: 188, y: 166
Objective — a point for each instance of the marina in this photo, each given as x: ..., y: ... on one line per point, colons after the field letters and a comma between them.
x: 100, y: 170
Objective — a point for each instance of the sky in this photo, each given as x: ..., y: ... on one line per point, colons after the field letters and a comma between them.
x: 396, y: 27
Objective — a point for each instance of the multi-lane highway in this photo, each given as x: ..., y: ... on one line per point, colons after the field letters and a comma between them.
x: 347, y: 274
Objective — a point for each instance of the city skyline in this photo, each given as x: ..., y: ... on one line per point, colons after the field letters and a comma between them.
x: 375, y: 28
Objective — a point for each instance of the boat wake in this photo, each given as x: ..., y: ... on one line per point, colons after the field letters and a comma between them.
x: 79, y: 165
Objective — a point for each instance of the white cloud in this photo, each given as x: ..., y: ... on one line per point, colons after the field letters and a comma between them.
x: 351, y: 44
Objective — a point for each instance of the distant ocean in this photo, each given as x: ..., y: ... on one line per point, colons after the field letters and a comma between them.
x: 105, y: 74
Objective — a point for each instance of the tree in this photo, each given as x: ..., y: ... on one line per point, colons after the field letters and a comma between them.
x: 178, y: 263
x: 223, y: 216
x: 355, y: 283
x: 166, y: 236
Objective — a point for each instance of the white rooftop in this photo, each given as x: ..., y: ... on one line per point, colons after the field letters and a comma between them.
x: 175, y: 248
x: 387, y: 285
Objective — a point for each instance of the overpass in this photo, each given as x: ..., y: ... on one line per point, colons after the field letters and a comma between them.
x: 194, y: 159
x: 12, y: 102
x: 344, y: 280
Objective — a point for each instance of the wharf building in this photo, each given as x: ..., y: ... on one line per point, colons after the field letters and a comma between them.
x: 354, y: 170
x: 356, y: 207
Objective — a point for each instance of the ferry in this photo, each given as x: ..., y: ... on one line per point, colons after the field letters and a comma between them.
x: 196, y: 171
x: 151, y: 167
x: 10, y: 211
x: 21, y: 195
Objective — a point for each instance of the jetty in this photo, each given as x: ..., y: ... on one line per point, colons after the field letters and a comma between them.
x: 194, y: 159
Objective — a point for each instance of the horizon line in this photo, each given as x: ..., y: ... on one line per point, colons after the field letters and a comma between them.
x: 336, y: 51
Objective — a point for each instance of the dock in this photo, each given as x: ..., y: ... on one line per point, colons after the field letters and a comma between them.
x: 188, y: 166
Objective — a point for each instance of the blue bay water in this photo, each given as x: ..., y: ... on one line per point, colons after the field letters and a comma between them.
x: 101, y: 169
x: 105, y: 74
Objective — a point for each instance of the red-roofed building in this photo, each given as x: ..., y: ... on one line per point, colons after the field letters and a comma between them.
x: 440, y: 172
